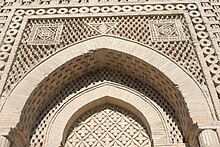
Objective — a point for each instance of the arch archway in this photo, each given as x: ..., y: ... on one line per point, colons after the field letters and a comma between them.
x: 109, y: 93
x: 138, y: 61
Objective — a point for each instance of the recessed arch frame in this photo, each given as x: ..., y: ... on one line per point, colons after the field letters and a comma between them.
x: 109, y: 93
x: 192, y: 95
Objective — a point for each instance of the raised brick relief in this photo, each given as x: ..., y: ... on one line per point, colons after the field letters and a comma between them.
x: 168, y: 30
x: 45, y: 34
x: 186, y: 32
x: 103, y: 27
x: 107, y: 126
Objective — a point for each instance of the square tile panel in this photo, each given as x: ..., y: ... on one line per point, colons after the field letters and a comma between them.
x: 43, y: 34
x: 166, y: 30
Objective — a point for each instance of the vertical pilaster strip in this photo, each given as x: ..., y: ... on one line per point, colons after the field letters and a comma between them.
x: 211, y: 22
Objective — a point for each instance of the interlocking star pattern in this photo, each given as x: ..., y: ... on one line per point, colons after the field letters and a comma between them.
x: 108, y: 126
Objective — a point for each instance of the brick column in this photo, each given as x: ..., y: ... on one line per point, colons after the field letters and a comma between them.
x: 18, y: 138
x: 208, y: 138
x: 4, y: 142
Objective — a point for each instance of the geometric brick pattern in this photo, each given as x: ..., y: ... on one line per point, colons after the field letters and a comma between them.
x: 103, y: 27
x: 186, y: 32
x: 168, y: 30
x: 182, y: 51
x: 92, y: 78
x: 108, y: 125
x: 45, y: 34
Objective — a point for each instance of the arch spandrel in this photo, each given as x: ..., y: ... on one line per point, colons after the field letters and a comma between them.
x: 192, y: 95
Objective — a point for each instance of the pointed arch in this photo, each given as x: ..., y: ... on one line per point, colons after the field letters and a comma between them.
x: 109, y: 93
x: 140, y: 62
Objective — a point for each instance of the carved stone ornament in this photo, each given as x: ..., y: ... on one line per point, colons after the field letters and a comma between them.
x: 45, y: 34
x: 168, y: 30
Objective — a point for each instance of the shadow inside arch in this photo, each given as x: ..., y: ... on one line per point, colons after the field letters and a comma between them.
x: 104, y: 74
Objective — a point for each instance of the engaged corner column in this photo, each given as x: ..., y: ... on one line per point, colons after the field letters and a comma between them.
x: 4, y: 142
x: 18, y: 137
x: 208, y: 138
